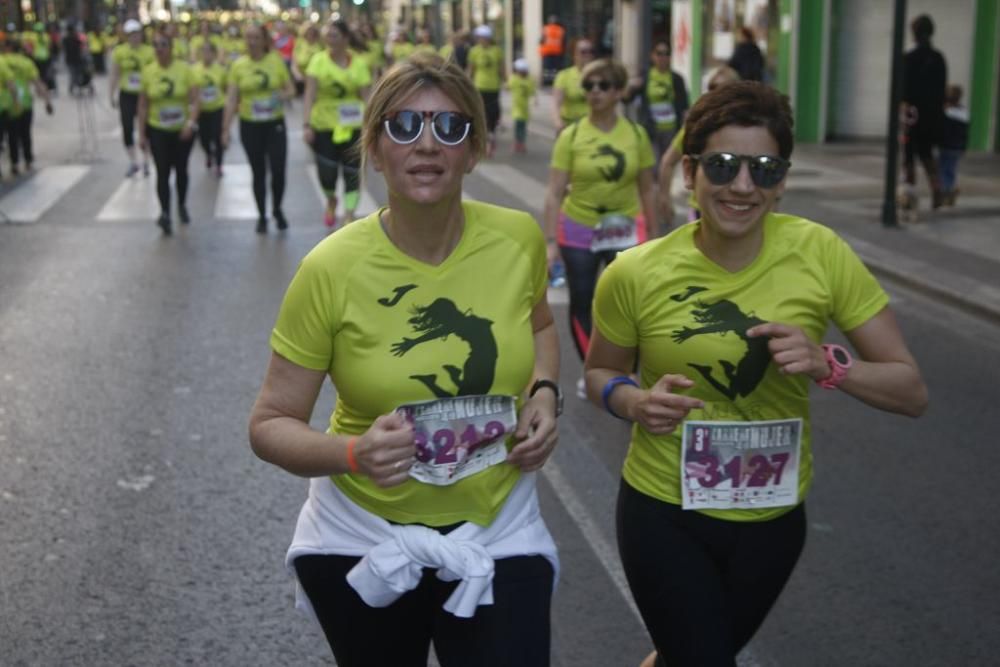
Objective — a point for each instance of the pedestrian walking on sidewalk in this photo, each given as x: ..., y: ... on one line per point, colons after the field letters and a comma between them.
x: 954, y: 140
x: 169, y: 105
x: 600, y: 197
x: 422, y: 516
x: 711, y: 509
x: 522, y: 92
x: 925, y: 75
x: 550, y: 47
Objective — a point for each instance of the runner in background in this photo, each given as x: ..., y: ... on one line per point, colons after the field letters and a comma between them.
x: 711, y: 517
x: 600, y: 193
x: 374, y: 50
x: 206, y: 34
x: 488, y: 74
x: 522, y: 92
x: 308, y: 45
x: 124, y: 85
x: 259, y: 86
x: 665, y: 176
x: 457, y: 49
x: 337, y: 83
x: 27, y: 80
x: 663, y: 99
x: 569, y: 101
x: 211, y: 78
x: 8, y: 99
x: 168, y: 119
x: 468, y: 279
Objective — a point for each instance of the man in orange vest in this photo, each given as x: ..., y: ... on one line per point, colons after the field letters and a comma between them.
x: 550, y: 48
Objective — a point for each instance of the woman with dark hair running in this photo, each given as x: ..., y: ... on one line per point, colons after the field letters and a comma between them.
x: 168, y: 115
x: 259, y: 85
x: 125, y: 80
x: 336, y: 86
x: 211, y: 77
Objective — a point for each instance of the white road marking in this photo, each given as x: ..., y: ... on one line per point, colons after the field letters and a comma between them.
x: 31, y: 199
x: 134, y: 199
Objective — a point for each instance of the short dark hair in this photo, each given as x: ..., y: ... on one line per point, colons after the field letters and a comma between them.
x: 742, y: 103
x: 923, y: 28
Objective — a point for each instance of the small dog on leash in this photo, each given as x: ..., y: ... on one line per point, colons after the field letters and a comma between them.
x: 906, y: 202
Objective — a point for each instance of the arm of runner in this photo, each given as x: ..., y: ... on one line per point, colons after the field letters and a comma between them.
x: 194, y: 111
x: 885, y: 376
x: 113, y: 77
x: 308, y: 99
x: 557, y: 100
x: 537, y: 423
x: 141, y: 114
x: 657, y: 410
x: 280, y: 433
x: 664, y: 198
x: 232, y: 103
x: 558, y: 181
x: 647, y: 200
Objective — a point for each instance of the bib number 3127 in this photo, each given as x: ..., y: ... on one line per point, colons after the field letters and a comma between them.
x: 740, y: 465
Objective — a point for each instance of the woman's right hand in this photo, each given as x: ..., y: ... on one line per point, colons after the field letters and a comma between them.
x: 308, y: 135
x: 658, y: 410
x: 386, y: 451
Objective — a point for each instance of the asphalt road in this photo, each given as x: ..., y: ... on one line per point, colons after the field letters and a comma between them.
x: 138, y: 529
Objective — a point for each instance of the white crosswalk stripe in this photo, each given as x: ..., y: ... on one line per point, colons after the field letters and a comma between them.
x: 134, y: 199
x: 29, y: 201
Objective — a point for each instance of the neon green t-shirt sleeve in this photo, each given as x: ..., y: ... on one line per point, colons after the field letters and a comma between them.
x: 615, y: 301
x: 562, y: 152
x: 677, y: 144
x: 857, y: 295
x: 305, y: 327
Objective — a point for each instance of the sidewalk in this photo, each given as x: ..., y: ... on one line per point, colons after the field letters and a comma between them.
x: 952, y: 254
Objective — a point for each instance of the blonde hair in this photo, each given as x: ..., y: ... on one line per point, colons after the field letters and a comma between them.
x: 406, y: 78
x: 613, y: 71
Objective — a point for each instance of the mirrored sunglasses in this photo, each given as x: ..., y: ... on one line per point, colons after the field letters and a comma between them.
x: 448, y: 127
x: 766, y: 171
x: 588, y: 85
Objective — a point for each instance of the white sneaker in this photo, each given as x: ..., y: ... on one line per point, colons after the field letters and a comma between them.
x: 581, y: 389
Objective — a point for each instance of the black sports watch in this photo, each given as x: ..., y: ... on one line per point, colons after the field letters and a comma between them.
x: 549, y: 384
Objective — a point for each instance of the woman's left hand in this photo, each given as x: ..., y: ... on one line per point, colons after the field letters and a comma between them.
x: 536, y: 432
x: 792, y: 350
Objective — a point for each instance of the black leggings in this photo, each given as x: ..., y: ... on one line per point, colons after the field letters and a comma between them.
x: 210, y: 134
x: 703, y: 585
x: 266, y: 146
x: 19, y: 137
x: 512, y: 632
x: 170, y: 152
x: 128, y: 105
x: 331, y: 158
x: 491, y: 100
x: 582, y: 266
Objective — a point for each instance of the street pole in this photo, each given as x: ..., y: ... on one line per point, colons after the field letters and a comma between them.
x: 895, y: 98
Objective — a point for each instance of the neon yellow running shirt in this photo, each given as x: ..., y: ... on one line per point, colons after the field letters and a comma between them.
x: 211, y: 85
x: 391, y: 330
x: 131, y: 60
x: 260, y: 83
x: 687, y: 315
x: 338, y: 101
x: 574, y: 102
x: 487, y: 61
x: 602, y: 167
x: 167, y: 91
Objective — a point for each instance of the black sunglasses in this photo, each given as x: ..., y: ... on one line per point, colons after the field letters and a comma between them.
x: 589, y: 84
x: 448, y: 127
x: 766, y: 171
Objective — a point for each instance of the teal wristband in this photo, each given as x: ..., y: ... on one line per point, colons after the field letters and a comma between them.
x: 610, y: 387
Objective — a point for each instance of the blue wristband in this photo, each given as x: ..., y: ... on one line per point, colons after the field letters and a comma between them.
x: 610, y: 387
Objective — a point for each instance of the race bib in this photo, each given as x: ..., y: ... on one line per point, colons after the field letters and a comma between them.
x: 663, y: 114
x: 458, y: 437
x: 209, y: 94
x: 171, y: 116
x: 133, y: 80
x: 350, y: 114
x: 265, y: 109
x: 740, y: 465
x: 614, y: 232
